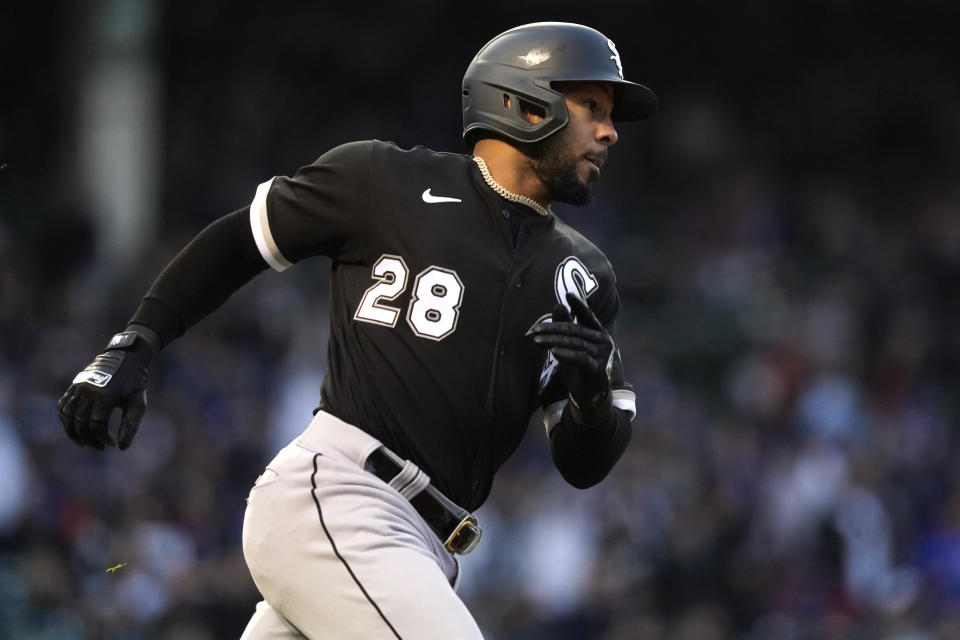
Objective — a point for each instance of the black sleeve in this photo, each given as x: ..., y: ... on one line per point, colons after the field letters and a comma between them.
x: 324, y: 209
x: 586, y: 445
x: 218, y: 261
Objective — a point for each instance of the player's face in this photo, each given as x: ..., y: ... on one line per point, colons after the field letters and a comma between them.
x: 568, y: 162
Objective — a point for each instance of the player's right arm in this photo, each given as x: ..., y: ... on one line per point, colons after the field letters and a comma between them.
x: 321, y: 210
x: 220, y: 260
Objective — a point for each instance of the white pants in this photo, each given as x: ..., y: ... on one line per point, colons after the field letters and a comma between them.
x: 338, y: 553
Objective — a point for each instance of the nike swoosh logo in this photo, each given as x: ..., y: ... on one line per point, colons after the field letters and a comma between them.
x: 431, y: 199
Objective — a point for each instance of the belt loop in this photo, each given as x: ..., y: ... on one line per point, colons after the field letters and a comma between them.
x: 410, y: 481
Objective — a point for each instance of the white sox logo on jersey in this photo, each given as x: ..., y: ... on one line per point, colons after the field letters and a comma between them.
x: 571, y: 277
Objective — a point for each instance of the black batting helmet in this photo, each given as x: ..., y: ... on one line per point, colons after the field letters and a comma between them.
x: 518, y: 66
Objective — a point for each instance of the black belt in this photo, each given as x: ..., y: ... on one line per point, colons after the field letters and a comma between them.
x: 454, y: 525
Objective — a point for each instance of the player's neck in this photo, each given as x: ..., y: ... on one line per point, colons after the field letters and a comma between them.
x: 511, y: 169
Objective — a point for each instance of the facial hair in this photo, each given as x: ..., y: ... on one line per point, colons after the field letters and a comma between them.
x: 555, y: 163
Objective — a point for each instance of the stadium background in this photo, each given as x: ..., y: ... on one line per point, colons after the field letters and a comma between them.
x: 786, y: 233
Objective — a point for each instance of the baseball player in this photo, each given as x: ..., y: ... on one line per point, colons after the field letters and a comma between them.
x: 461, y: 311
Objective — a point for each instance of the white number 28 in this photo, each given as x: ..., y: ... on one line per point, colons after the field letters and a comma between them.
x: 434, y: 307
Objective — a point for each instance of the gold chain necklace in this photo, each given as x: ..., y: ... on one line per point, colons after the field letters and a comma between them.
x: 509, y: 195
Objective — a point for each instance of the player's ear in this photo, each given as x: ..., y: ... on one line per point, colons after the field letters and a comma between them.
x: 534, y: 114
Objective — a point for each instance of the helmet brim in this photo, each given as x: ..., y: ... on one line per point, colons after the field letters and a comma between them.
x: 632, y: 102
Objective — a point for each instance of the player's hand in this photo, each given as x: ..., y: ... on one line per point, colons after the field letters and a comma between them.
x: 116, y: 378
x: 583, y: 349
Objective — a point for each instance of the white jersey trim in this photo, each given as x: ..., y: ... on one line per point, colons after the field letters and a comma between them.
x: 623, y: 399
x: 261, y: 230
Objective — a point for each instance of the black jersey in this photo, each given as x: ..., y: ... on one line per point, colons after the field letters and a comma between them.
x: 436, y: 281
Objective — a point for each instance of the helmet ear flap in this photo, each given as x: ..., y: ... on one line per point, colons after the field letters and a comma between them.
x: 527, y: 114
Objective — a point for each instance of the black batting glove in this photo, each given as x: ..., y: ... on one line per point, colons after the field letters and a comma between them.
x: 583, y: 349
x: 116, y: 378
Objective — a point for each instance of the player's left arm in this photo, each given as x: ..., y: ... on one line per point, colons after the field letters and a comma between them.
x: 594, y: 427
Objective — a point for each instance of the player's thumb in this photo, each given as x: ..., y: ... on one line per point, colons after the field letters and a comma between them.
x: 133, y: 409
x: 560, y: 314
x: 581, y: 310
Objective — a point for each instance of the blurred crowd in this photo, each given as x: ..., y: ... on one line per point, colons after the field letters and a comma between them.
x: 786, y: 236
